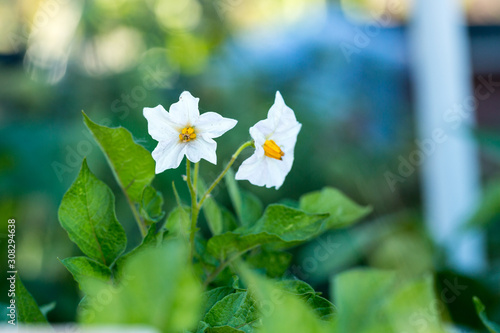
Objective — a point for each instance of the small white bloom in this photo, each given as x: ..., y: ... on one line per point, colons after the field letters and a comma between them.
x: 183, y: 131
x: 274, y: 139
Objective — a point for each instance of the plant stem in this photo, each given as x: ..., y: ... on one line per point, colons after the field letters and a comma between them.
x: 216, y: 272
x: 176, y: 194
x: 195, y: 177
x: 195, y: 205
x: 216, y: 181
x: 194, y: 208
x: 223, y: 265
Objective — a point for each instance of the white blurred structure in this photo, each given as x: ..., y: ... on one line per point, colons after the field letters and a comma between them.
x: 445, y: 103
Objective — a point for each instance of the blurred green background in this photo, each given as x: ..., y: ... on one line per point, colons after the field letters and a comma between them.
x: 112, y: 58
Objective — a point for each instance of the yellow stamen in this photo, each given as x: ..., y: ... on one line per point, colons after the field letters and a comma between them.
x: 187, y: 134
x: 271, y: 149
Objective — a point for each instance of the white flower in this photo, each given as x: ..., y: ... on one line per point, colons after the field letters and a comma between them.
x: 274, y: 140
x: 183, y: 131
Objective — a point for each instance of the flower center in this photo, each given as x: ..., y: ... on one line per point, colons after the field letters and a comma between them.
x: 272, y: 150
x: 187, y: 134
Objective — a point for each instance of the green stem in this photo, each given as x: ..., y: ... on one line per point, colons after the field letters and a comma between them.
x: 223, y: 265
x: 195, y: 177
x: 194, y: 207
x: 176, y: 194
x: 216, y: 181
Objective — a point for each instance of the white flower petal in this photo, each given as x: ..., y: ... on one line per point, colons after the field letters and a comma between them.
x: 289, y: 136
x: 261, y: 131
x: 213, y: 125
x: 185, y: 111
x: 280, y: 114
x: 282, y: 127
x: 165, y: 127
x: 252, y: 168
x: 168, y: 155
x: 201, y: 148
x: 276, y: 172
x: 159, y: 125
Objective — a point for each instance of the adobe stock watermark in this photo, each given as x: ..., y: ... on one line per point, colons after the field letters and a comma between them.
x: 363, y: 35
x: 323, y: 250
x: 423, y: 320
x: 154, y: 78
x: 453, y: 119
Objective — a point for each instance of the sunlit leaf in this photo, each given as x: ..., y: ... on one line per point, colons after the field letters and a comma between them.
x: 132, y: 164
x: 343, y: 211
x: 84, y: 269
x: 386, y: 302
x: 158, y: 288
x: 236, y: 310
x: 281, y: 311
x: 278, y: 224
x: 152, y: 239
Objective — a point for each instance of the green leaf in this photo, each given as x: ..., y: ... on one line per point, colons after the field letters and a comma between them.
x: 251, y: 208
x: 214, y: 295
x: 489, y: 207
x: 343, y: 211
x: 87, y: 213
x: 205, y: 258
x: 27, y: 309
x: 248, y: 207
x: 219, y: 219
x: 234, y: 193
x: 158, y: 288
x: 386, y: 302
x: 481, y: 311
x: 278, y: 224
x: 281, y: 311
x: 358, y: 294
x: 205, y: 328
x: 296, y: 287
x: 228, y: 220
x: 132, y: 164
x: 178, y: 222
x: 152, y: 239
x: 289, y: 224
x: 151, y: 208
x: 237, y: 310
x: 273, y: 263
x: 323, y: 308
x: 84, y: 269
x: 224, y: 329
x: 213, y: 215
